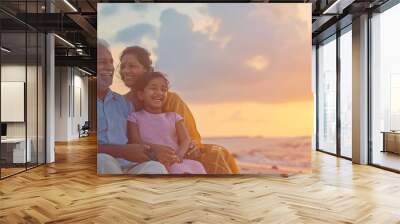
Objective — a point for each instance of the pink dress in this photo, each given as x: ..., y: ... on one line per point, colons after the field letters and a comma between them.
x: 160, y: 129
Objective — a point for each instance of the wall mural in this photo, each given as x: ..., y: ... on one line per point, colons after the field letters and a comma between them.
x: 204, y: 88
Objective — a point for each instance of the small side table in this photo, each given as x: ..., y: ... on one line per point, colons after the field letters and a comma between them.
x: 391, y: 141
x: 13, y: 150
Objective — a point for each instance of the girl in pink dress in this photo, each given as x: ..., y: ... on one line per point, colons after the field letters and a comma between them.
x: 151, y: 126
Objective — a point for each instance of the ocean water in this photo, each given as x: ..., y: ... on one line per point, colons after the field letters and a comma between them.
x: 268, y: 155
x: 244, y: 143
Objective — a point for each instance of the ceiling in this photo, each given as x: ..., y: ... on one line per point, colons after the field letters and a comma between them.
x: 75, y: 43
x: 76, y: 22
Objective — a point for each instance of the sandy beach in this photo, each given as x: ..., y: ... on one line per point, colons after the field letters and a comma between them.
x: 268, y: 155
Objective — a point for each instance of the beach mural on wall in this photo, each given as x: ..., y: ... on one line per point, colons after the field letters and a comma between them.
x: 226, y: 87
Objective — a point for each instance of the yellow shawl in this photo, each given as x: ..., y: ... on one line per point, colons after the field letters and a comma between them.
x: 216, y: 159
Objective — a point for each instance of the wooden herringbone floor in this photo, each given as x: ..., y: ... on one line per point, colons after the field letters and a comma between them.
x: 69, y: 191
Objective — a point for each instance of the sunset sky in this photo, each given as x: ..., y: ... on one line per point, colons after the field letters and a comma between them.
x: 243, y: 69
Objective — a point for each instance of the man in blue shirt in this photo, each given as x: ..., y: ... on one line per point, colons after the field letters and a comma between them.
x: 115, y: 155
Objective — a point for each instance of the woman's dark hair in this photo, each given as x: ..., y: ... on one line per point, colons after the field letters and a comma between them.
x: 142, y: 55
x: 144, y: 80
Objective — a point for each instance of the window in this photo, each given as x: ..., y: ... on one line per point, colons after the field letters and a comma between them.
x: 327, y: 95
x: 346, y: 93
x: 395, y: 102
x: 385, y: 88
x: 22, y: 76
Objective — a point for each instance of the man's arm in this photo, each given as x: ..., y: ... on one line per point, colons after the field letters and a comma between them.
x: 133, y: 133
x: 131, y: 152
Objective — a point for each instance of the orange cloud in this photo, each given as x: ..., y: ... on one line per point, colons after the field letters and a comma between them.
x: 257, y: 62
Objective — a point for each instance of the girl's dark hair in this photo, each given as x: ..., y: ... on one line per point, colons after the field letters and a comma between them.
x: 144, y: 80
x: 142, y: 55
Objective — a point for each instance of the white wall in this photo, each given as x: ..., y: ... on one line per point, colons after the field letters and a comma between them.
x: 12, y: 100
x: 70, y: 84
x: 79, y: 117
x: 13, y: 73
x: 61, y: 103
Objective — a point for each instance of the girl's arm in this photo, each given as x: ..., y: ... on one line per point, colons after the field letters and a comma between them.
x: 183, y: 138
x: 153, y: 151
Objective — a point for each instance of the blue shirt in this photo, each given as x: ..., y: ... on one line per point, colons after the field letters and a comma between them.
x: 112, y: 114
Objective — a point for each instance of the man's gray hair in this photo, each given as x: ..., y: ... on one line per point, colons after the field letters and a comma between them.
x: 102, y: 43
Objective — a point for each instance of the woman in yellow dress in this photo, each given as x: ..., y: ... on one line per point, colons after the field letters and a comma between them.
x: 135, y: 61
